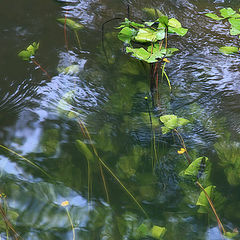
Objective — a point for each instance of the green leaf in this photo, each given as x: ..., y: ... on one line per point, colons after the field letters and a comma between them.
x: 25, y: 55
x: 202, y: 200
x: 173, y: 22
x: 160, y: 35
x: 213, y: 16
x: 126, y: 34
x: 71, y: 24
x: 227, y: 12
x: 234, y: 31
x: 180, y: 31
x: 163, y: 20
x: 182, y: 122
x: 146, y: 35
x: 165, y: 130
x: 228, y: 50
x: 235, y: 23
x: 231, y: 234
x: 193, y: 168
x: 142, y: 231
x: 12, y: 216
x: 158, y: 232
x: 140, y: 53
x: 166, y: 118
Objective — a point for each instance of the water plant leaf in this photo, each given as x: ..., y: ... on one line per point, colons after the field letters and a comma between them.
x: 128, y: 23
x: 29, y: 52
x: 231, y: 234
x: 142, y: 231
x: 235, y: 23
x: 127, y: 34
x: 71, y: 23
x: 12, y: 216
x: 173, y: 22
x: 163, y: 20
x: 234, y: 31
x: 83, y: 148
x: 172, y: 121
x: 228, y: 50
x: 214, y: 16
x: 147, y: 35
x: 71, y: 70
x: 193, y: 168
x: 227, y: 12
x: 180, y: 31
x: 140, y: 53
x: 202, y: 200
x: 158, y: 232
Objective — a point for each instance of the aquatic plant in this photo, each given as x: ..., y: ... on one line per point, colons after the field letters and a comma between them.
x: 234, y: 19
x: 29, y: 55
x: 152, y: 37
x: 73, y: 26
x: 65, y: 205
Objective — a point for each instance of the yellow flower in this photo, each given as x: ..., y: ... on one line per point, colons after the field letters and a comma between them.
x: 181, y: 151
x: 65, y: 203
x: 166, y: 60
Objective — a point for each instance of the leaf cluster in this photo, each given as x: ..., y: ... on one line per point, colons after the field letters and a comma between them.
x: 172, y: 122
x: 30, y: 51
x: 149, y: 34
x: 234, y: 19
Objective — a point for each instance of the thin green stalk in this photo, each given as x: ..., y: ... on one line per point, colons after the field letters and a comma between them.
x: 76, y: 34
x: 30, y: 162
x: 86, y: 134
x: 213, y: 209
x: 165, y: 74
x: 71, y: 223
x: 113, y: 175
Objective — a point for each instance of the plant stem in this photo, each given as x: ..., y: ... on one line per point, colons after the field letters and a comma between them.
x: 76, y: 34
x: 213, y: 209
x: 71, y: 223
x: 37, y: 64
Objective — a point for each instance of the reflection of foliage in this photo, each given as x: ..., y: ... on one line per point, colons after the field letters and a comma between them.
x: 229, y: 155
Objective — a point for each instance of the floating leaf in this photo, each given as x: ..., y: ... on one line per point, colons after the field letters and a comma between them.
x: 126, y: 34
x: 228, y: 50
x: 146, y: 35
x: 214, y: 16
x: 158, y: 232
x: 173, y: 22
x: 29, y: 52
x: 227, y: 12
x: 234, y: 31
x: 140, y: 53
x: 163, y: 20
x: 172, y: 121
x: 71, y: 23
x: 180, y: 31
x: 235, y: 23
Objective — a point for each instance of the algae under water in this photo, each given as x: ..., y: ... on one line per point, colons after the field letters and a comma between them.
x: 40, y: 121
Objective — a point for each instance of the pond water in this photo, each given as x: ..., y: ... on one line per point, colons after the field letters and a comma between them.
x: 69, y: 123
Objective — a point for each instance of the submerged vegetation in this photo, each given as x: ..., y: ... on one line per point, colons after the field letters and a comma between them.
x: 136, y: 152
